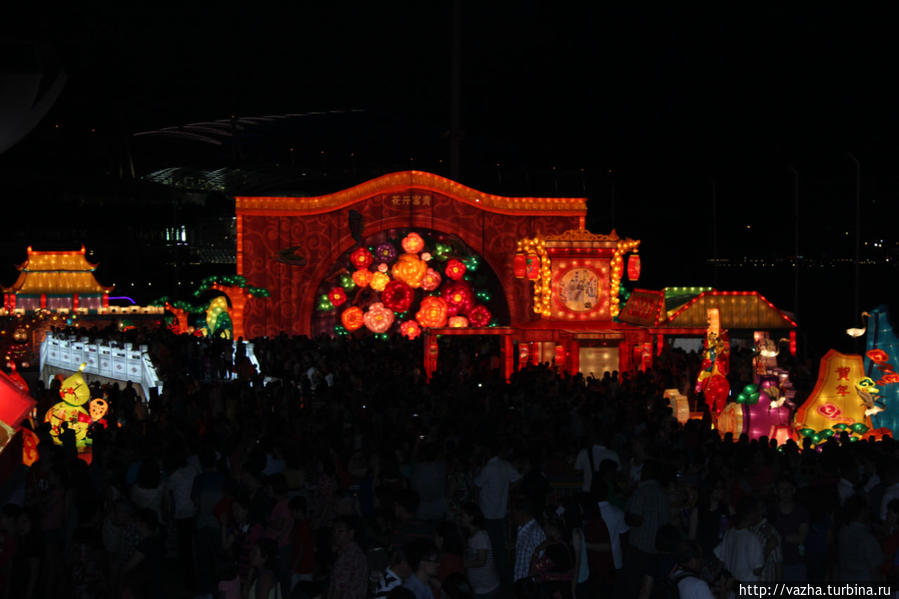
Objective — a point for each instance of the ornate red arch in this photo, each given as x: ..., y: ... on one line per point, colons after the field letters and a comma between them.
x: 288, y: 244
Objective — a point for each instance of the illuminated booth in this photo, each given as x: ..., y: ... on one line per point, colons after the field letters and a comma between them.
x: 416, y: 254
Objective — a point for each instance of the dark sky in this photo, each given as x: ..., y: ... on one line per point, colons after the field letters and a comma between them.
x: 669, y: 98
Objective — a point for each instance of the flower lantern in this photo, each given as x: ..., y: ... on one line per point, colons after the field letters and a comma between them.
x: 413, y: 243
x: 361, y: 258
x: 378, y: 318
x: 352, y: 318
x: 455, y: 269
x: 379, y: 281
x: 382, y: 267
x: 410, y: 270
x: 426, y: 256
x: 362, y: 277
x: 410, y: 329
x: 397, y: 296
x: 385, y: 252
x: 479, y: 316
x: 337, y: 296
x: 432, y: 313
x: 633, y: 267
x: 520, y: 265
x: 458, y: 295
x: 458, y: 322
x: 431, y: 280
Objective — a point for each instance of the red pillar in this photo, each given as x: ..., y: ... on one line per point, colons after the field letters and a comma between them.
x: 43, y: 301
x: 75, y: 302
x: 535, y: 352
x: 507, y: 355
x: 574, y: 357
x: 624, y: 357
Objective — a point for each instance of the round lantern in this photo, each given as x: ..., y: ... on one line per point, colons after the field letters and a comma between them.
x: 479, y: 316
x: 458, y: 322
x: 410, y: 329
x: 413, y: 243
x: 378, y: 318
x: 352, y: 318
x: 410, y: 270
x: 432, y: 313
x: 362, y: 277
x: 337, y: 296
x: 520, y: 265
x: 385, y: 252
x: 431, y: 280
x: 455, y: 269
x: 458, y: 295
x: 633, y: 267
x: 379, y: 281
x: 361, y: 258
x: 397, y: 296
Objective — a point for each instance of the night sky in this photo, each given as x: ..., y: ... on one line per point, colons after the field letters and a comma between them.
x: 653, y: 105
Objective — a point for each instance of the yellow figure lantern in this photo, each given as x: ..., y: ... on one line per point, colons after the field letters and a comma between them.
x: 75, y: 393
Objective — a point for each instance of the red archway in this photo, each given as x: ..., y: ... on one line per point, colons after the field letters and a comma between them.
x: 288, y: 244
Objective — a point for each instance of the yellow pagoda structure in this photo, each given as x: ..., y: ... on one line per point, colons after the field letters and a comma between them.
x: 56, y: 281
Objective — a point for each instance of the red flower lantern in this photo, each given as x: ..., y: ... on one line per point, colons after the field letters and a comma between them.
x: 362, y: 277
x: 431, y: 280
x: 410, y: 329
x: 458, y: 322
x: 379, y: 281
x: 633, y: 267
x: 520, y: 265
x: 352, y: 318
x: 479, y: 316
x: 455, y: 269
x: 459, y: 296
x: 432, y: 313
x: 410, y: 270
x: 361, y: 258
x: 397, y: 296
x: 337, y: 296
x: 413, y: 243
x: 378, y: 318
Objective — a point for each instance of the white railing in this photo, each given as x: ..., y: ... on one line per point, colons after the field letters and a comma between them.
x: 103, y: 358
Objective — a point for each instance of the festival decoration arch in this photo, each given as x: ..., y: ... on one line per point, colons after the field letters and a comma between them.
x: 289, y: 244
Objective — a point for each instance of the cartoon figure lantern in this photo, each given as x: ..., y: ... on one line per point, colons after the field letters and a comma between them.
x: 70, y: 411
x: 712, y: 380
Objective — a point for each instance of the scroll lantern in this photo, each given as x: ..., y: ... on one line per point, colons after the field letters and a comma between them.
x: 633, y: 267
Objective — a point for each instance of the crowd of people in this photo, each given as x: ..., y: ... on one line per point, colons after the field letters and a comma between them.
x: 338, y: 470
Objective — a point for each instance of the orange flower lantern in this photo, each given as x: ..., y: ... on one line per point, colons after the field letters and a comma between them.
x: 410, y: 329
x: 413, y: 243
x: 379, y: 281
x: 410, y: 270
x: 378, y: 318
x: 352, y: 318
x: 458, y: 322
x: 362, y: 277
x: 432, y: 313
x: 337, y: 296
x: 431, y: 280
x: 455, y: 269
x: 361, y: 258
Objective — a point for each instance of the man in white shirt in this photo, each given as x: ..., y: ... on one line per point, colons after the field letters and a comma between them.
x: 600, y: 452
x: 493, y: 482
x: 613, y: 516
x: 528, y: 538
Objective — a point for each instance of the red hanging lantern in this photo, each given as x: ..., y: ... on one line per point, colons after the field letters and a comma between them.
x: 520, y: 266
x: 533, y: 267
x: 633, y: 267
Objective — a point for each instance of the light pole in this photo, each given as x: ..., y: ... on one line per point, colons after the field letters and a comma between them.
x: 795, y: 242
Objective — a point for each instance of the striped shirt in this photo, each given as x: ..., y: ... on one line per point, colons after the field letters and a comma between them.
x: 529, y: 537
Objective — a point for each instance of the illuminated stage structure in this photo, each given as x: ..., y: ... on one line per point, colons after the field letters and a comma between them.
x: 56, y: 281
x: 421, y: 254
